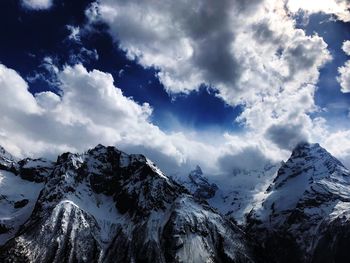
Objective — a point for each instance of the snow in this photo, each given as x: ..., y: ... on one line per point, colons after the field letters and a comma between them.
x: 36, y: 163
x: 156, y: 169
x: 237, y: 194
x: 6, y: 155
x: 13, y: 189
x: 311, y: 168
x: 311, y: 190
x: 100, y: 206
x: 76, y: 221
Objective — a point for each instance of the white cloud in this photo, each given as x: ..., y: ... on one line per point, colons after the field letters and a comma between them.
x: 74, y: 34
x: 250, y: 51
x: 344, y: 71
x: 196, y: 42
x: 90, y: 110
x: 346, y: 47
x: 14, y: 93
x: 344, y: 77
x: 339, y: 8
x: 37, y: 4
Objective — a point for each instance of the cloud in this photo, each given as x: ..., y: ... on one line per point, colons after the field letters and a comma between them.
x: 251, y: 52
x: 339, y: 8
x: 74, y: 33
x: 197, y: 42
x: 248, y: 158
x: 344, y: 71
x: 88, y: 111
x: 344, y: 77
x: 37, y: 4
x: 286, y: 136
x: 346, y: 47
x: 14, y: 94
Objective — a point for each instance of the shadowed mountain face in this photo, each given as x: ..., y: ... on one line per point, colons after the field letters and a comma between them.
x: 107, y: 206
x: 305, y: 216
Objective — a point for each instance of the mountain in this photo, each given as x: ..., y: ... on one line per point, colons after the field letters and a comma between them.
x: 20, y: 185
x: 197, y: 184
x: 236, y: 194
x: 108, y: 206
x: 305, y: 216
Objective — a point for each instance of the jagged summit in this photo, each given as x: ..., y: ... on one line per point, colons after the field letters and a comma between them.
x: 308, y: 162
x: 310, y: 192
x: 199, y: 185
x: 310, y: 151
x: 6, y: 159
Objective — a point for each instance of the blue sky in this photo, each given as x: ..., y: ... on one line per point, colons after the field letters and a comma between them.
x: 200, y: 82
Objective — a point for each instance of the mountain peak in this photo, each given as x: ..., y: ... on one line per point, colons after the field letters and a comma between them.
x: 197, y: 171
x: 310, y: 193
x: 5, y: 154
x: 200, y: 185
x: 304, y: 149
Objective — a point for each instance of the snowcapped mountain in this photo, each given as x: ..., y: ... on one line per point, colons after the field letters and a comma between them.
x: 305, y: 215
x: 20, y: 185
x: 234, y: 196
x: 107, y: 206
x: 198, y: 184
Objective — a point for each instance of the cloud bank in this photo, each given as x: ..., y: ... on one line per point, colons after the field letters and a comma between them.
x: 37, y: 4
x: 90, y: 110
x: 338, y: 8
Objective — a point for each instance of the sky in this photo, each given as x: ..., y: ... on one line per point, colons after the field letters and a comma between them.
x: 183, y: 82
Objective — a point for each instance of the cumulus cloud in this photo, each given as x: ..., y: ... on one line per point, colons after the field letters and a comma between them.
x: 199, y: 42
x: 248, y: 158
x: 37, y: 4
x: 90, y: 110
x: 249, y: 51
x: 286, y: 136
x: 339, y: 8
x: 344, y: 71
x: 346, y: 47
x: 344, y: 77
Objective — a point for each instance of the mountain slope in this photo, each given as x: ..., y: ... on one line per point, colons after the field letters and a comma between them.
x: 235, y: 195
x: 305, y: 214
x: 20, y: 185
x: 107, y: 206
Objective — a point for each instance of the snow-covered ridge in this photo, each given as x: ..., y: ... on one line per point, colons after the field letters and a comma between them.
x: 107, y: 206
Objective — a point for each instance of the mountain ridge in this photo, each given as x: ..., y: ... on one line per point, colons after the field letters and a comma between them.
x: 107, y: 206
